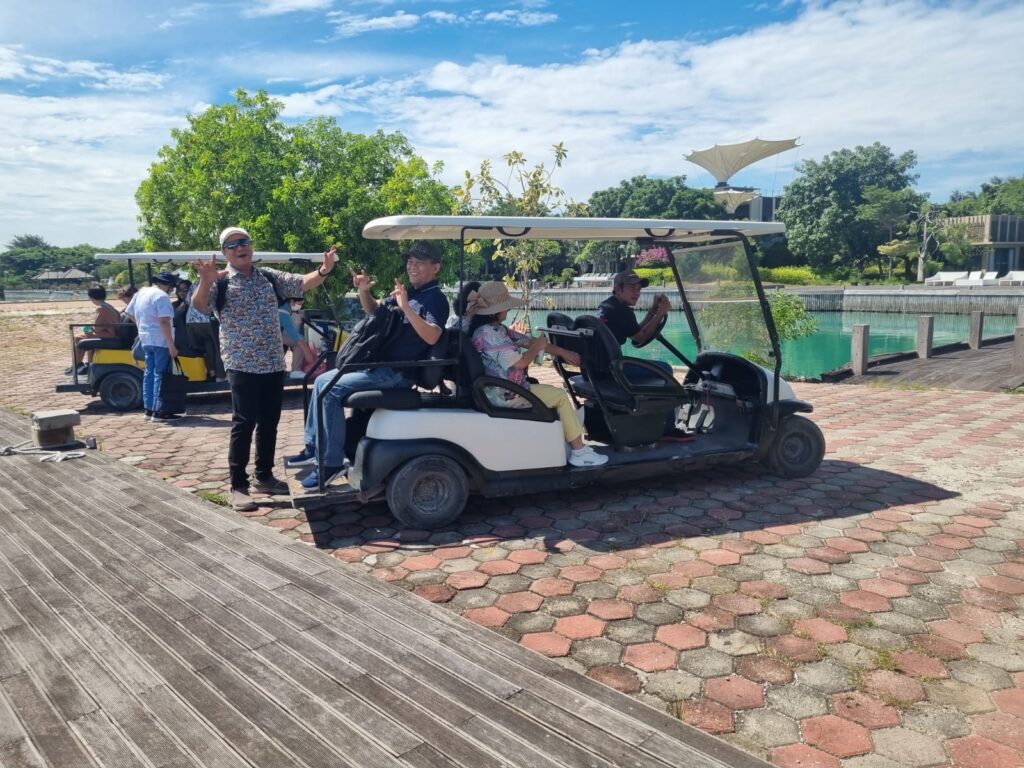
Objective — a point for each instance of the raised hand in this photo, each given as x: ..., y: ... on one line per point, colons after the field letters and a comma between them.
x: 401, y: 295
x: 207, y: 270
x: 360, y: 281
x: 329, y: 259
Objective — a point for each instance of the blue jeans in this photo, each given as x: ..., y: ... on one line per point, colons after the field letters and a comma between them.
x: 158, y: 361
x: 333, y: 446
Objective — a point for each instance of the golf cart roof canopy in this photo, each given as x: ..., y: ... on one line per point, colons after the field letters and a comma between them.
x: 557, y: 228
x: 187, y: 257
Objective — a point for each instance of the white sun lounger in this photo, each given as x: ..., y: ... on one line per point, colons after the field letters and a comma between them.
x: 1012, y: 278
x: 945, y: 278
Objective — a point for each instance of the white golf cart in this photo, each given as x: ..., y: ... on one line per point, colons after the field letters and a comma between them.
x: 116, y: 376
x: 426, y: 450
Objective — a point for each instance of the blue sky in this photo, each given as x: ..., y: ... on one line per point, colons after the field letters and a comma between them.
x: 89, y: 91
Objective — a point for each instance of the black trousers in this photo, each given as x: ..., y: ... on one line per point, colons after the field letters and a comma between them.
x: 256, y: 405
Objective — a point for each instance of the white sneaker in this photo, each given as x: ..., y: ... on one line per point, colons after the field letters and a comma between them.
x: 586, y: 457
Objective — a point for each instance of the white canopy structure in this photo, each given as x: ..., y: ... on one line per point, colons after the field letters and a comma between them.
x: 733, y: 198
x: 723, y: 160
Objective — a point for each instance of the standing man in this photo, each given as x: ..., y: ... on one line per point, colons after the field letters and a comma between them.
x: 250, y: 342
x: 617, y: 310
x: 151, y: 310
x: 425, y: 310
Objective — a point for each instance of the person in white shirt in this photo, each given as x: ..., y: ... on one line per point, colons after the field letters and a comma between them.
x: 152, y: 312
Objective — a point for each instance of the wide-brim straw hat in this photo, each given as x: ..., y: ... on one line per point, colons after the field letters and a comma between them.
x: 492, y: 298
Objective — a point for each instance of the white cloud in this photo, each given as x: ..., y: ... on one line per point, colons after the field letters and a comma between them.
x: 77, y: 163
x: 938, y: 80
x: 17, y: 66
x: 279, y: 7
x: 521, y: 18
x: 350, y: 25
x: 441, y: 17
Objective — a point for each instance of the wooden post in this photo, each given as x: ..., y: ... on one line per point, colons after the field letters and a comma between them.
x: 977, y: 329
x: 1020, y: 315
x: 859, y: 349
x: 1018, y: 349
x: 925, y: 334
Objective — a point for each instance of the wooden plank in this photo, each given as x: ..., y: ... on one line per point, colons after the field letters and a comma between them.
x: 48, y: 732
x: 105, y: 742
x: 425, y: 756
x: 210, y: 748
x: 20, y: 754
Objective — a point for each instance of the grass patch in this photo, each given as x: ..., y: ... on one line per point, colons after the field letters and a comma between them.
x: 824, y: 651
x: 214, y: 497
x: 884, y: 659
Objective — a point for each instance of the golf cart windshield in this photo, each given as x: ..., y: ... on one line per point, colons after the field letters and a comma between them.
x: 724, y: 308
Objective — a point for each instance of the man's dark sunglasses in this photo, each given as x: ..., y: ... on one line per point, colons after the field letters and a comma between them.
x: 232, y: 244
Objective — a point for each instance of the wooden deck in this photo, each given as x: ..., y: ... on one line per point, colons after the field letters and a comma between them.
x: 142, y: 626
x: 953, y: 366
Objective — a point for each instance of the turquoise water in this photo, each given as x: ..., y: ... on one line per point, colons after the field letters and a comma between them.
x: 830, y: 346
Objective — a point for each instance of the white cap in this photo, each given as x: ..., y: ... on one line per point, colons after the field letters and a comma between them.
x: 231, y: 230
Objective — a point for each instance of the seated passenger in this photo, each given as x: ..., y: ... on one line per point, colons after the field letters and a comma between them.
x: 302, y: 354
x: 104, y: 326
x: 425, y: 310
x: 501, y: 349
x: 203, y: 335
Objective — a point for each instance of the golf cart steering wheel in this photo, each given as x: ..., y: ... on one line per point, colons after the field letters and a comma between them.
x: 656, y: 334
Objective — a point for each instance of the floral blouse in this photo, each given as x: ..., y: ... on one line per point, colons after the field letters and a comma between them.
x: 500, y: 348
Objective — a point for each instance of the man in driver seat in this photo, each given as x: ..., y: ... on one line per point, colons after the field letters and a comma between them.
x: 617, y: 313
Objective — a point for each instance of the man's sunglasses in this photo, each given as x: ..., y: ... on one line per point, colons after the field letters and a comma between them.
x: 232, y: 244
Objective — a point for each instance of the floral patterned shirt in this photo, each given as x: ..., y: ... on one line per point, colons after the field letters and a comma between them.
x: 250, y: 330
x: 500, y: 349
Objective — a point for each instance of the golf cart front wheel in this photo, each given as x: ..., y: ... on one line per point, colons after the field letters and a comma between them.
x: 121, y: 391
x: 428, y: 492
x: 798, y: 448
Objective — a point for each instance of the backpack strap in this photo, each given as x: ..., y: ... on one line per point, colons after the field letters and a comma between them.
x: 222, y: 289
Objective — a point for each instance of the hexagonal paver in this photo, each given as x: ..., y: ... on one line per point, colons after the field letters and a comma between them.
x: 981, y: 752
x: 682, y: 637
x: 839, y: 737
x: 734, y: 642
x: 467, y: 580
x: 619, y: 678
x: 764, y: 669
x: 610, y: 610
x: 910, y: 748
x: 865, y: 710
x: 793, y: 648
x: 707, y: 715
x: 865, y: 601
x: 519, y: 602
x: 650, y: 657
x: 919, y: 665
x: 552, y: 586
x: 820, y: 631
x: 767, y: 728
x: 891, y: 686
x: 579, y: 627
x: 581, y: 573
x: 548, y: 643
x: 487, y: 617
x: 802, y: 756
x: 807, y: 565
x: 735, y: 692
x: 884, y: 587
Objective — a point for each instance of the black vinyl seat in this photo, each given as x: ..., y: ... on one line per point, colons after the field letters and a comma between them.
x: 475, y: 379
x: 428, y: 377
x: 625, y: 410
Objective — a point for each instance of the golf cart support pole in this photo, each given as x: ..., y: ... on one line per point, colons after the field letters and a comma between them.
x: 769, y: 321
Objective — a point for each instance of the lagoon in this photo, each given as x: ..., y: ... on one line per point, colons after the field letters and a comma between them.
x: 830, y: 346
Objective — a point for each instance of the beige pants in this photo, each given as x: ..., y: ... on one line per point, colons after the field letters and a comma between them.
x: 557, y: 398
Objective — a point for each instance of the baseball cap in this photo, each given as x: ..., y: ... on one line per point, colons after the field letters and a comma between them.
x: 423, y: 250
x: 629, y: 277
x: 227, y: 231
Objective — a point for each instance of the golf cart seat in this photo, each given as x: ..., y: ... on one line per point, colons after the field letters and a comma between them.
x: 477, y: 381
x: 625, y: 410
x: 104, y: 344
x: 428, y: 377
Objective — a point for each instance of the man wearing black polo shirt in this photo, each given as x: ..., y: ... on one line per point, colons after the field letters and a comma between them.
x: 617, y: 310
x: 425, y: 309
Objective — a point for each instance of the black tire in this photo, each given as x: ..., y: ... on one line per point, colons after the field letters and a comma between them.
x: 428, y: 492
x: 121, y: 391
x: 798, y: 448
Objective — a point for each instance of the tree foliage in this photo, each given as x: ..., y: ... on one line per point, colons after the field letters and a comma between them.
x: 524, y: 191
x: 820, y: 208
x: 644, y: 198
x: 295, y: 188
x: 995, y: 196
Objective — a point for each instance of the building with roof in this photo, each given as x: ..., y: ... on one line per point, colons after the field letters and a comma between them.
x: 998, y: 237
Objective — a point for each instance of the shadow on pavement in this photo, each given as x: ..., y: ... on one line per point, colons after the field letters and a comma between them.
x: 608, y: 518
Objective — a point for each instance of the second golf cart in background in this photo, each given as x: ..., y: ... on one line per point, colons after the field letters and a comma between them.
x: 426, y: 450
x: 115, y: 376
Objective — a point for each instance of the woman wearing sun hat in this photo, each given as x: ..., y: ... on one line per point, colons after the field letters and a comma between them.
x: 506, y: 354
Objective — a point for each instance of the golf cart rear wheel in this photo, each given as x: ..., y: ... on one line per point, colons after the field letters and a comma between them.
x: 121, y: 391
x: 798, y: 448
x: 428, y: 492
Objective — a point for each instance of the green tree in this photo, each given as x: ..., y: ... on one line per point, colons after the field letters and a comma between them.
x: 644, y: 198
x: 820, y: 207
x: 997, y: 195
x: 525, y: 191
x: 295, y: 188
x: 22, y: 242
x: 886, y: 215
